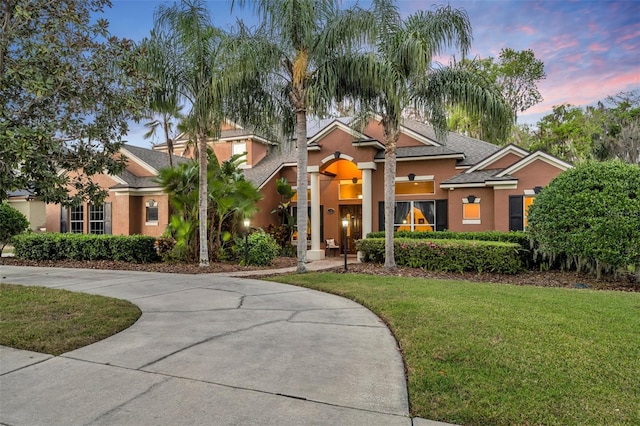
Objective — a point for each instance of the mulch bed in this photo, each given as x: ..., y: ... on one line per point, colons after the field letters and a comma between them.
x: 566, y: 279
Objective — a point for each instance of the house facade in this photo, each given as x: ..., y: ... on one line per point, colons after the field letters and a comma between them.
x: 456, y: 183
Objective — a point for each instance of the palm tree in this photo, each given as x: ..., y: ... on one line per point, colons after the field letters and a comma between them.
x: 286, y: 70
x: 159, y: 63
x: 397, y: 73
x: 196, y: 68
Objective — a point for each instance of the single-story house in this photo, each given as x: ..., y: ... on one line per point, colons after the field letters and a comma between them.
x: 457, y: 183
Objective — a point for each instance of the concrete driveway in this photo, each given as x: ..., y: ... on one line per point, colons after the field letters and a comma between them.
x: 209, y: 350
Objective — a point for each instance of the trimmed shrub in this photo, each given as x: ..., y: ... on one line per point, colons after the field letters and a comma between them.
x: 589, y: 217
x: 56, y: 246
x: 447, y: 255
x: 12, y: 222
x: 263, y: 248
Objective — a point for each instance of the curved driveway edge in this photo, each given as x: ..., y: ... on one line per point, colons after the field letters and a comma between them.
x: 209, y: 349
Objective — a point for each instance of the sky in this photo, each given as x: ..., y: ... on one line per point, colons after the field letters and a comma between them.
x: 590, y: 49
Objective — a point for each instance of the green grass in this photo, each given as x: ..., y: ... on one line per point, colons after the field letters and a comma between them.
x: 57, y: 321
x: 479, y: 354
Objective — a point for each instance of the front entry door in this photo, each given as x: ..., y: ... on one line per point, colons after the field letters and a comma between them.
x: 354, y: 230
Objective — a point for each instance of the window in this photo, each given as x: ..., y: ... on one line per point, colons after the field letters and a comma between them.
x: 426, y: 187
x: 471, y: 211
x: 240, y: 148
x: 528, y: 200
x: 348, y: 190
x: 151, y: 216
x: 96, y: 219
x: 76, y: 219
x: 414, y: 216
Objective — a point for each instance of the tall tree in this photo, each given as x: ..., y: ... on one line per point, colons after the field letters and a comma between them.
x: 288, y: 69
x: 397, y: 74
x: 67, y: 90
x: 516, y: 74
x: 197, y: 67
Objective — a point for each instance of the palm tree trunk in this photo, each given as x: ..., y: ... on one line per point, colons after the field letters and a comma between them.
x: 165, y: 124
x: 202, y: 199
x: 301, y: 143
x: 391, y: 135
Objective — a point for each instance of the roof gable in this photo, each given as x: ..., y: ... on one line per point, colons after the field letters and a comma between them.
x: 538, y: 155
x: 488, y: 161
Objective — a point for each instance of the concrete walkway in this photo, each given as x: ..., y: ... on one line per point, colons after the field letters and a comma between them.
x: 210, y: 350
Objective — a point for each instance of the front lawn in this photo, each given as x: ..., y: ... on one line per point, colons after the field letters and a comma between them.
x: 53, y: 321
x: 498, y: 354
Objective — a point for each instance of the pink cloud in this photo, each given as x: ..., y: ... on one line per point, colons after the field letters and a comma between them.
x: 597, y: 47
x: 628, y: 36
x: 527, y: 29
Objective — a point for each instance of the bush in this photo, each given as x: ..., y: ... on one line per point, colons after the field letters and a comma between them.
x: 56, y: 246
x: 589, y: 217
x: 263, y: 248
x: 528, y: 256
x: 448, y: 256
x: 12, y: 222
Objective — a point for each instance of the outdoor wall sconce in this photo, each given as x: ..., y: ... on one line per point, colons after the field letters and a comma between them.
x: 411, y: 177
x: 152, y: 203
x: 354, y: 179
x: 471, y: 198
x: 336, y: 154
x: 537, y: 189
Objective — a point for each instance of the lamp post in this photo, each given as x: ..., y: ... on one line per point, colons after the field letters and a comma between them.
x: 247, y: 223
x: 345, y: 224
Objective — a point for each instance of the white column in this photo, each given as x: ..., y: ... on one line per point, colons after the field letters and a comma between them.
x: 315, y: 253
x: 367, y: 198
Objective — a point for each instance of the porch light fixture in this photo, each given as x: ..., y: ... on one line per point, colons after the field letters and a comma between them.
x: 537, y: 189
x: 411, y: 177
x: 354, y: 179
x: 471, y: 198
x: 345, y: 224
x: 336, y: 154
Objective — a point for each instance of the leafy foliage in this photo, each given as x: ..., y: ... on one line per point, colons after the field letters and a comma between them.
x: 447, y: 255
x: 608, y: 130
x: 12, y: 222
x: 589, y: 217
x: 515, y: 74
x: 55, y: 246
x: 230, y: 198
x: 263, y: 248
x: 67, y: 89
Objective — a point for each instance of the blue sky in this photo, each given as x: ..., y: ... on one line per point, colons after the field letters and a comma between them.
x: 590, y: 49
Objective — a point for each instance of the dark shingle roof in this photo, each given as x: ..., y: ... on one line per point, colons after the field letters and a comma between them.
x: 479, y: 176
x: 155, y: 159
x: 421, y: 151
x: 474, y: 150
x: 262, y: 171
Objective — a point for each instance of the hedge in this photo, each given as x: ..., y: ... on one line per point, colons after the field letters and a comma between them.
x: 448, y: 256
x: 56, y: 246
x: 528, y: 256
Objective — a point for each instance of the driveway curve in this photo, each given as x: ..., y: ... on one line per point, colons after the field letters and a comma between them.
x: 209, y: 349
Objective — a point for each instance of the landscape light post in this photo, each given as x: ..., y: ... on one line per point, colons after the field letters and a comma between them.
x: 345, y: 224
x: 246, y: 242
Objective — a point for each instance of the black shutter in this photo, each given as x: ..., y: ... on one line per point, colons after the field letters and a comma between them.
x: 64, y: 213
x: 441, y: 215
x: 107, y: 218
x: 380, y: 215
x: 516, y: 222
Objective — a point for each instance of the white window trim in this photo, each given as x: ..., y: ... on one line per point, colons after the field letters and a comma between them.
x: 471, y: 221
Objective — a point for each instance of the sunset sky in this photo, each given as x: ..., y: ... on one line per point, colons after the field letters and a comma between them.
x: 590, y: 49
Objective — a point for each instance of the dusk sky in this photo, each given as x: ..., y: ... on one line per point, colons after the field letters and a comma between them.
x: 590, y: 49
